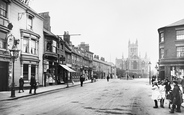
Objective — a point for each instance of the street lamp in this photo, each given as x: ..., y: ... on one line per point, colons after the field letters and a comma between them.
x: 149, y: 72
x: 14, y: 53
x: 156, y: 67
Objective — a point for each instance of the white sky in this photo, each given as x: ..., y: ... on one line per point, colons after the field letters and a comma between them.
x: 108, y: 25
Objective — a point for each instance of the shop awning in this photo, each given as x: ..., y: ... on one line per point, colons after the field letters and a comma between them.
x: 67, y: 68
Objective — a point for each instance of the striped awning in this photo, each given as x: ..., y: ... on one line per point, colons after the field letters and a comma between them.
x: 67, y: 68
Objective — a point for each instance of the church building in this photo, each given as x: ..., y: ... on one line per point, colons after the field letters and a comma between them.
x: 134, y: 64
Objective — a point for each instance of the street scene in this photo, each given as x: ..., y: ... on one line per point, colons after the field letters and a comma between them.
x: 120, y: 97
x: 91, y: 57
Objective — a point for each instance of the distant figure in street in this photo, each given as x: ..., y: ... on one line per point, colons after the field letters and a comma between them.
x: 133, y: 76
x: 21, y: 84
x: 155, y: 93
x: 33, y: 85
x: 82, y: 78
x: 108, y: 78
x: 176, y: 98
x: 153, y: 79
x: 127, y: 77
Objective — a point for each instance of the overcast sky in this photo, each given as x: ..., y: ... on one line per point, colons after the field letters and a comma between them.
x: 108, y: 25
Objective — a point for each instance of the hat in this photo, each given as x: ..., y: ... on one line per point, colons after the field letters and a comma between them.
x: 175, y: 82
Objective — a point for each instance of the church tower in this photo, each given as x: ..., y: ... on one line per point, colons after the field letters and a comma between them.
x: 133, y: 57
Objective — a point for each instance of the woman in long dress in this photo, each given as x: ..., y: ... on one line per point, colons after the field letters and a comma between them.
x: 155, y: 93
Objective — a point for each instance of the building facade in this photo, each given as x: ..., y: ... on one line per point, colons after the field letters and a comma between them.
x: 20, y: 23
x: 101, y: 68
x: 171, y: 51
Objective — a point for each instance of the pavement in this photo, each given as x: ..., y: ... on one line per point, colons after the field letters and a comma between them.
x: 6, y: 95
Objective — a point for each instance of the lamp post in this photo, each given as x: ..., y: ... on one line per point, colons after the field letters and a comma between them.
x: 156, y: 67
x: 149, y: 72
x: 14, y: 54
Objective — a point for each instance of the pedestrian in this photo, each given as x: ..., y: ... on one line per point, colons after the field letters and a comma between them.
x: 182, y: 84
x: 108, y: 78
x: 33, y: 85
x: 153, y: 79
x: 162, y: 94
x: 176, y: 98
x: 133, y: 76
x: 82, y: 78
x: 155, y: 93
x: 167, y: 86
x: 127, y: 77
x: 21, y: 84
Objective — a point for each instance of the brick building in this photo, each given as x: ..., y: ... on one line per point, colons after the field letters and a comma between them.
x: 171, y: 50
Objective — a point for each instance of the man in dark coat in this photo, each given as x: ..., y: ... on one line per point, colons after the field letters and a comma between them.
x: 82, y: 78
x: 108, y: 78
x: 21, y: 84
x: 176, y: 100
x: 33, y: 85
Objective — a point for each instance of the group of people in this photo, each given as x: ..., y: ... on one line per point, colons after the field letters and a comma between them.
x: 33, y: 84
x: 172, y: 91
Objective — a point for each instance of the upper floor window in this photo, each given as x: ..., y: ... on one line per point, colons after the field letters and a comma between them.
x: 30, y: 22
x: 180, y: 35
x: 30, y: 45
x: 180, y: 51
x: 3, y: 9
x: 2, y: 40
x: 26, y: 45
x: 51, y: 46
x: 162, y: 37
x: 33, y: 46
x: 54, y: 46
x: 162, y: 53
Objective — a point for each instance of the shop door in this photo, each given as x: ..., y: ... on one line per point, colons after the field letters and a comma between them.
x: 3, y: 76
x: 162, y: 75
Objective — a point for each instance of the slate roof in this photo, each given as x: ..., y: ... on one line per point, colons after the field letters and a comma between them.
x: 177, y: 23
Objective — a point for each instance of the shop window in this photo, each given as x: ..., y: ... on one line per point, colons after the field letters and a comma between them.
x: 180, y: 51
x: 180, y: 35
x: 177, y: 71
x: 2, y: 40
x: 25, y: 72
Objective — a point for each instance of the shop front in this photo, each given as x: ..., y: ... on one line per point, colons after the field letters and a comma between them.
x: 50, y: 70
x: 66, y: 73
x: 172, y: 70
